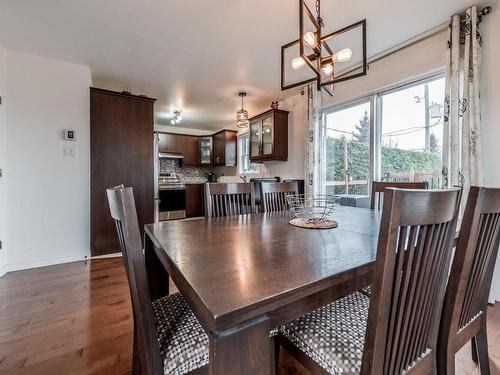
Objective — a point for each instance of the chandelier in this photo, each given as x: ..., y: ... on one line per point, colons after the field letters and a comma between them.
x: 319, y: 54
x: 242, y: 114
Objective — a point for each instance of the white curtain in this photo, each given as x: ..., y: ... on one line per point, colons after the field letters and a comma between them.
x: 314, y: 148
x: 462, y: 154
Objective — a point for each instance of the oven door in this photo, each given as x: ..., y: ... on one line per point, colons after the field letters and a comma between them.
x: 172, y: 204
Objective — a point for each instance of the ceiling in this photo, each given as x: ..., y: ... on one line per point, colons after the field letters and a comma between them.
x: 196, y: 55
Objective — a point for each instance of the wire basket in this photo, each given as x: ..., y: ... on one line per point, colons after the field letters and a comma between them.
x: 313, y: 208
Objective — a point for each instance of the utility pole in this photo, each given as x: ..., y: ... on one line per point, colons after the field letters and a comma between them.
x: 427, y: 119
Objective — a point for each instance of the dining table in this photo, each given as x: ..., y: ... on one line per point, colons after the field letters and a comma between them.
x: 243, y: 276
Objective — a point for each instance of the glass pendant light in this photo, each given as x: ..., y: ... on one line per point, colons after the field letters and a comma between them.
x: 242, y: 114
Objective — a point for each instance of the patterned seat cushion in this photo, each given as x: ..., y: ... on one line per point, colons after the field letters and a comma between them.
x: 367, y: 291
x: 183, y: 343
x: 333, y: 336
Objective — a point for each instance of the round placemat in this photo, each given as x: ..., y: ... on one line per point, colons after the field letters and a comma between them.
x: 301, y: 223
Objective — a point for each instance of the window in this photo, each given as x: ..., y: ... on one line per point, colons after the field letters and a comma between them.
x: 402, y: 143
x: 412, y: 133
x: 348, y: 149
x: 244, y: 152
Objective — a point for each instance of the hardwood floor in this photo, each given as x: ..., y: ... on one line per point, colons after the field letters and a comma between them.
x: 76, y: 318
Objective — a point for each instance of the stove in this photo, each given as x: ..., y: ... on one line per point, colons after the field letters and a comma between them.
x: 171, y: 197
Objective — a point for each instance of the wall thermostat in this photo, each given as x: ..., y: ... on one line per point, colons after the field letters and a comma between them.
x: 69, y: 134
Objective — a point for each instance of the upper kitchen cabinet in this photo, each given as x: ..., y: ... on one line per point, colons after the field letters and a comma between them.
x: 224, y: 148
x: 269, y: 136
x: 206, y: 150
x: 190, y: 150
x: 121, y: 152
x: 170, y: 143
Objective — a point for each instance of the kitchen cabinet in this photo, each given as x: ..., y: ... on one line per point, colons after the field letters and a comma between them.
x: 195, y: 200
x: 187, y: 145
x: 190, y: 150
x: 224, y: 148
x: 121, y: 152
x: 269, y: 136
x: 205, y: 149
x: 170, y: 143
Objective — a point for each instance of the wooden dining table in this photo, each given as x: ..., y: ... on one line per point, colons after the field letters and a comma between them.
x: 245, y: 275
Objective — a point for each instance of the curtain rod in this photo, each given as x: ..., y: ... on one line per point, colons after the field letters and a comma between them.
x: 410, y: 42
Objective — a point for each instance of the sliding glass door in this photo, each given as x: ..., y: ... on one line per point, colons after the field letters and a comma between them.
x: 394, y: 135
x: 412, y: 133
x: 348, y: 149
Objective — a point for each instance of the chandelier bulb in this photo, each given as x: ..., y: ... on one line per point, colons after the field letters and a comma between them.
x: 327, y: 69
x: 298, y: 63
x: 310, y: 39
x: 342, y: 56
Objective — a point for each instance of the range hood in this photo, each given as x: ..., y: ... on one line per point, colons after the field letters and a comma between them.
x: 170, y: 155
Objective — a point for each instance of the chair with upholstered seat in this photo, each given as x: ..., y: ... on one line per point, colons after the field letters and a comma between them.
x: 394, y: 331
x: 466, y: 301
x: 168, y: 338
x: 378, y: 187
x: 273, y: 195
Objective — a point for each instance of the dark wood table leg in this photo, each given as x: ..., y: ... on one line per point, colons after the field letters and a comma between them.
x: 157, y: 274
x: 243, y: 350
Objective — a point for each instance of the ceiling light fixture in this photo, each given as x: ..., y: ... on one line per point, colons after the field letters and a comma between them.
x: 315, y: 52
x: 242, y: 114
x: 177, y: 117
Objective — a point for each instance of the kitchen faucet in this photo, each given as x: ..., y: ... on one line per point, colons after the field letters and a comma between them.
x: 244, y: 178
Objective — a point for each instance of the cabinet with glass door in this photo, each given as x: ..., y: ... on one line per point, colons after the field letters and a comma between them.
x: 206, y: 151
x: 269, y: 136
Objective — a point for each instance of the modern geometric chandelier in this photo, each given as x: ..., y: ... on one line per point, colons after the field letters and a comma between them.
x: 242, y: 114
x: 319, y: 53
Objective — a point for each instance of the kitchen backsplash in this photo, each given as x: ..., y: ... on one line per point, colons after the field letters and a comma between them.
x: 185, y: 174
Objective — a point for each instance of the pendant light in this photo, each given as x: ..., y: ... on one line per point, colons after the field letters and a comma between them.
x: 242, y: 114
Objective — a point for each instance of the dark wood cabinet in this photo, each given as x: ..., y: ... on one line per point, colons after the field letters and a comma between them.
x: 190, y: 146
x: 195, y: 200
x: 224, y: 148
x: 269, y: 136
x: 121, y: 133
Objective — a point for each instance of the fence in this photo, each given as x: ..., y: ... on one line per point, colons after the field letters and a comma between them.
x: 360, y: 187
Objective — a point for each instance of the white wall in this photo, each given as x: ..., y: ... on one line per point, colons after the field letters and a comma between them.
x: 490, y: 101
x: 3, y: 159
x: 48, y: 194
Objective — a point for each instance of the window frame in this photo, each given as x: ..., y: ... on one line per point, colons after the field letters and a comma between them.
x: 240, y: 139
x: 376, y: 102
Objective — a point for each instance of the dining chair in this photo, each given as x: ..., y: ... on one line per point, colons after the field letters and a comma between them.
x: 378, y: 187
x: 466, y: 301
x: 168, y: 338
x: 257, y: 181
x: 226, y: 199
x: 273, y: 195
x: 396, y: 330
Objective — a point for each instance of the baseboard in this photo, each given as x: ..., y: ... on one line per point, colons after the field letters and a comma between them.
x: 114, y: 255
x: 43, y: 263
x: 3, y: 270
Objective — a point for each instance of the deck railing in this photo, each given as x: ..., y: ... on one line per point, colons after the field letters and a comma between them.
x: 361, y: 187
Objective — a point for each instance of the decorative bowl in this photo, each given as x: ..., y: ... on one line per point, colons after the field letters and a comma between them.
x: 313, y: 208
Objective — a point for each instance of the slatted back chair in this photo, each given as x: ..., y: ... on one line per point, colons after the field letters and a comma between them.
x: 465, y: 308
x: 226, y: 199
x: 273, y: 195
x: 413, y: 257
x: 146, y: 348
x: 378, y: 187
